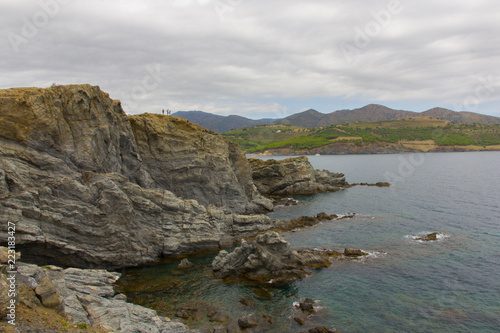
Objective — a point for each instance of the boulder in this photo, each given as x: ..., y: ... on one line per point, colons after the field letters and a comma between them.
x: 307, y: 306
x: 293, y: 176
x: 48, y: 293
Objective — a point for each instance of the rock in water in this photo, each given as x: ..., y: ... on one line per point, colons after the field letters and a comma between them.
x: 354, y: 253
x: 430, y: 237
x: 185, y: 264
x: 267, y: 259
x: 293, y: 176
x: 88, y: 186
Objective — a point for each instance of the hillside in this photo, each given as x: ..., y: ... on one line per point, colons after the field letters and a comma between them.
x: 402, y: 135
x: 313, y: 118
x: 218, y: 123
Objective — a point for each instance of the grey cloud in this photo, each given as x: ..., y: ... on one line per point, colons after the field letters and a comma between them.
x: 226, y: 60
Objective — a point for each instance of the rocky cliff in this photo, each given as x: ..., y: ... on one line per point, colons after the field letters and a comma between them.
x: 87, y: 187
x: 293, y: 176
x: 196, y: 163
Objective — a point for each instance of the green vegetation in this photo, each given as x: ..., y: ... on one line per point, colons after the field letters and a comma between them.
x: 441, y: 132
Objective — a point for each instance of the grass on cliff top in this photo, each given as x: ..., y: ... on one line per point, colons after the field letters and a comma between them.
x: 440, y: 132
x: 41, y: 319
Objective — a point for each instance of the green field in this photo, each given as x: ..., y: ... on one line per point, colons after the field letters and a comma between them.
x: 440, y: 132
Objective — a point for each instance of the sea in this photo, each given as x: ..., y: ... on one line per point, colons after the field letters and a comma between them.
x: 451, y: 284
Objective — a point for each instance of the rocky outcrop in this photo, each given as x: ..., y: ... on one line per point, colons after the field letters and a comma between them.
x: 196, y: 163
x: 87, y: 298
x: 73, y: 180
x: 268, y: 259
x: 307, y: 221
x: 293, y: 176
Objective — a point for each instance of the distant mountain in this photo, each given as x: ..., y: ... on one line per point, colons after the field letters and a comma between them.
x: 461, y: 117
x: 368, y: 113
x: 375, y: 112
x: 218, y: 123
x: 313, y: 118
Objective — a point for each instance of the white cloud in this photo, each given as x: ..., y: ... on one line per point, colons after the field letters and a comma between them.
x: 227, y: 56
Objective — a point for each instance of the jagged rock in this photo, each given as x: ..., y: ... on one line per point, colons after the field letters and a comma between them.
x: 196, y: 163
x: 293, y: 176
x: 307, y: 306
x: 88, y: 297
x: 31, y: 275
x: 304, y: 221
x: 269, y: 258
x: 85, y: 192
x: 185, y: 264
x: 354, y: 253
x: 325, y: 217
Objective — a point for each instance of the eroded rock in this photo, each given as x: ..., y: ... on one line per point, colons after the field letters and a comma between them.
x: 269, y: 258
x: 293, y: 176
x: 88, y: 186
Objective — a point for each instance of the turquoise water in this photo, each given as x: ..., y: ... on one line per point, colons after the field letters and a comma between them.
x: 449, y: 285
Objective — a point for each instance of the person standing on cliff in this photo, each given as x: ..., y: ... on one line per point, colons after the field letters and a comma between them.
x: 163, y: 111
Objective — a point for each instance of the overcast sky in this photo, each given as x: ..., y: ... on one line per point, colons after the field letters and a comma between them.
x: 260, y: 58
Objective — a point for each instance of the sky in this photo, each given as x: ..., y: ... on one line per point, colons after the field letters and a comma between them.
x: 259, y: 59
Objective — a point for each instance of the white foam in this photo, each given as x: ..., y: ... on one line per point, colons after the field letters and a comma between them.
x: 439, y: 236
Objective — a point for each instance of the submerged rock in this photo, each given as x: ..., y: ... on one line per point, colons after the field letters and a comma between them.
x: 293, y: 176
x: 268, y: 259
x: 248, y: 321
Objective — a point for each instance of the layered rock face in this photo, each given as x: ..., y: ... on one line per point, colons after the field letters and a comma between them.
x: 73, y: 179
x: 87, y: 297
x: 293, y: 176
x: 196, y: 163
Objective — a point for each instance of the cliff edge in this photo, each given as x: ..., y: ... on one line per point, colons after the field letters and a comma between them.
x: 88, y: 186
